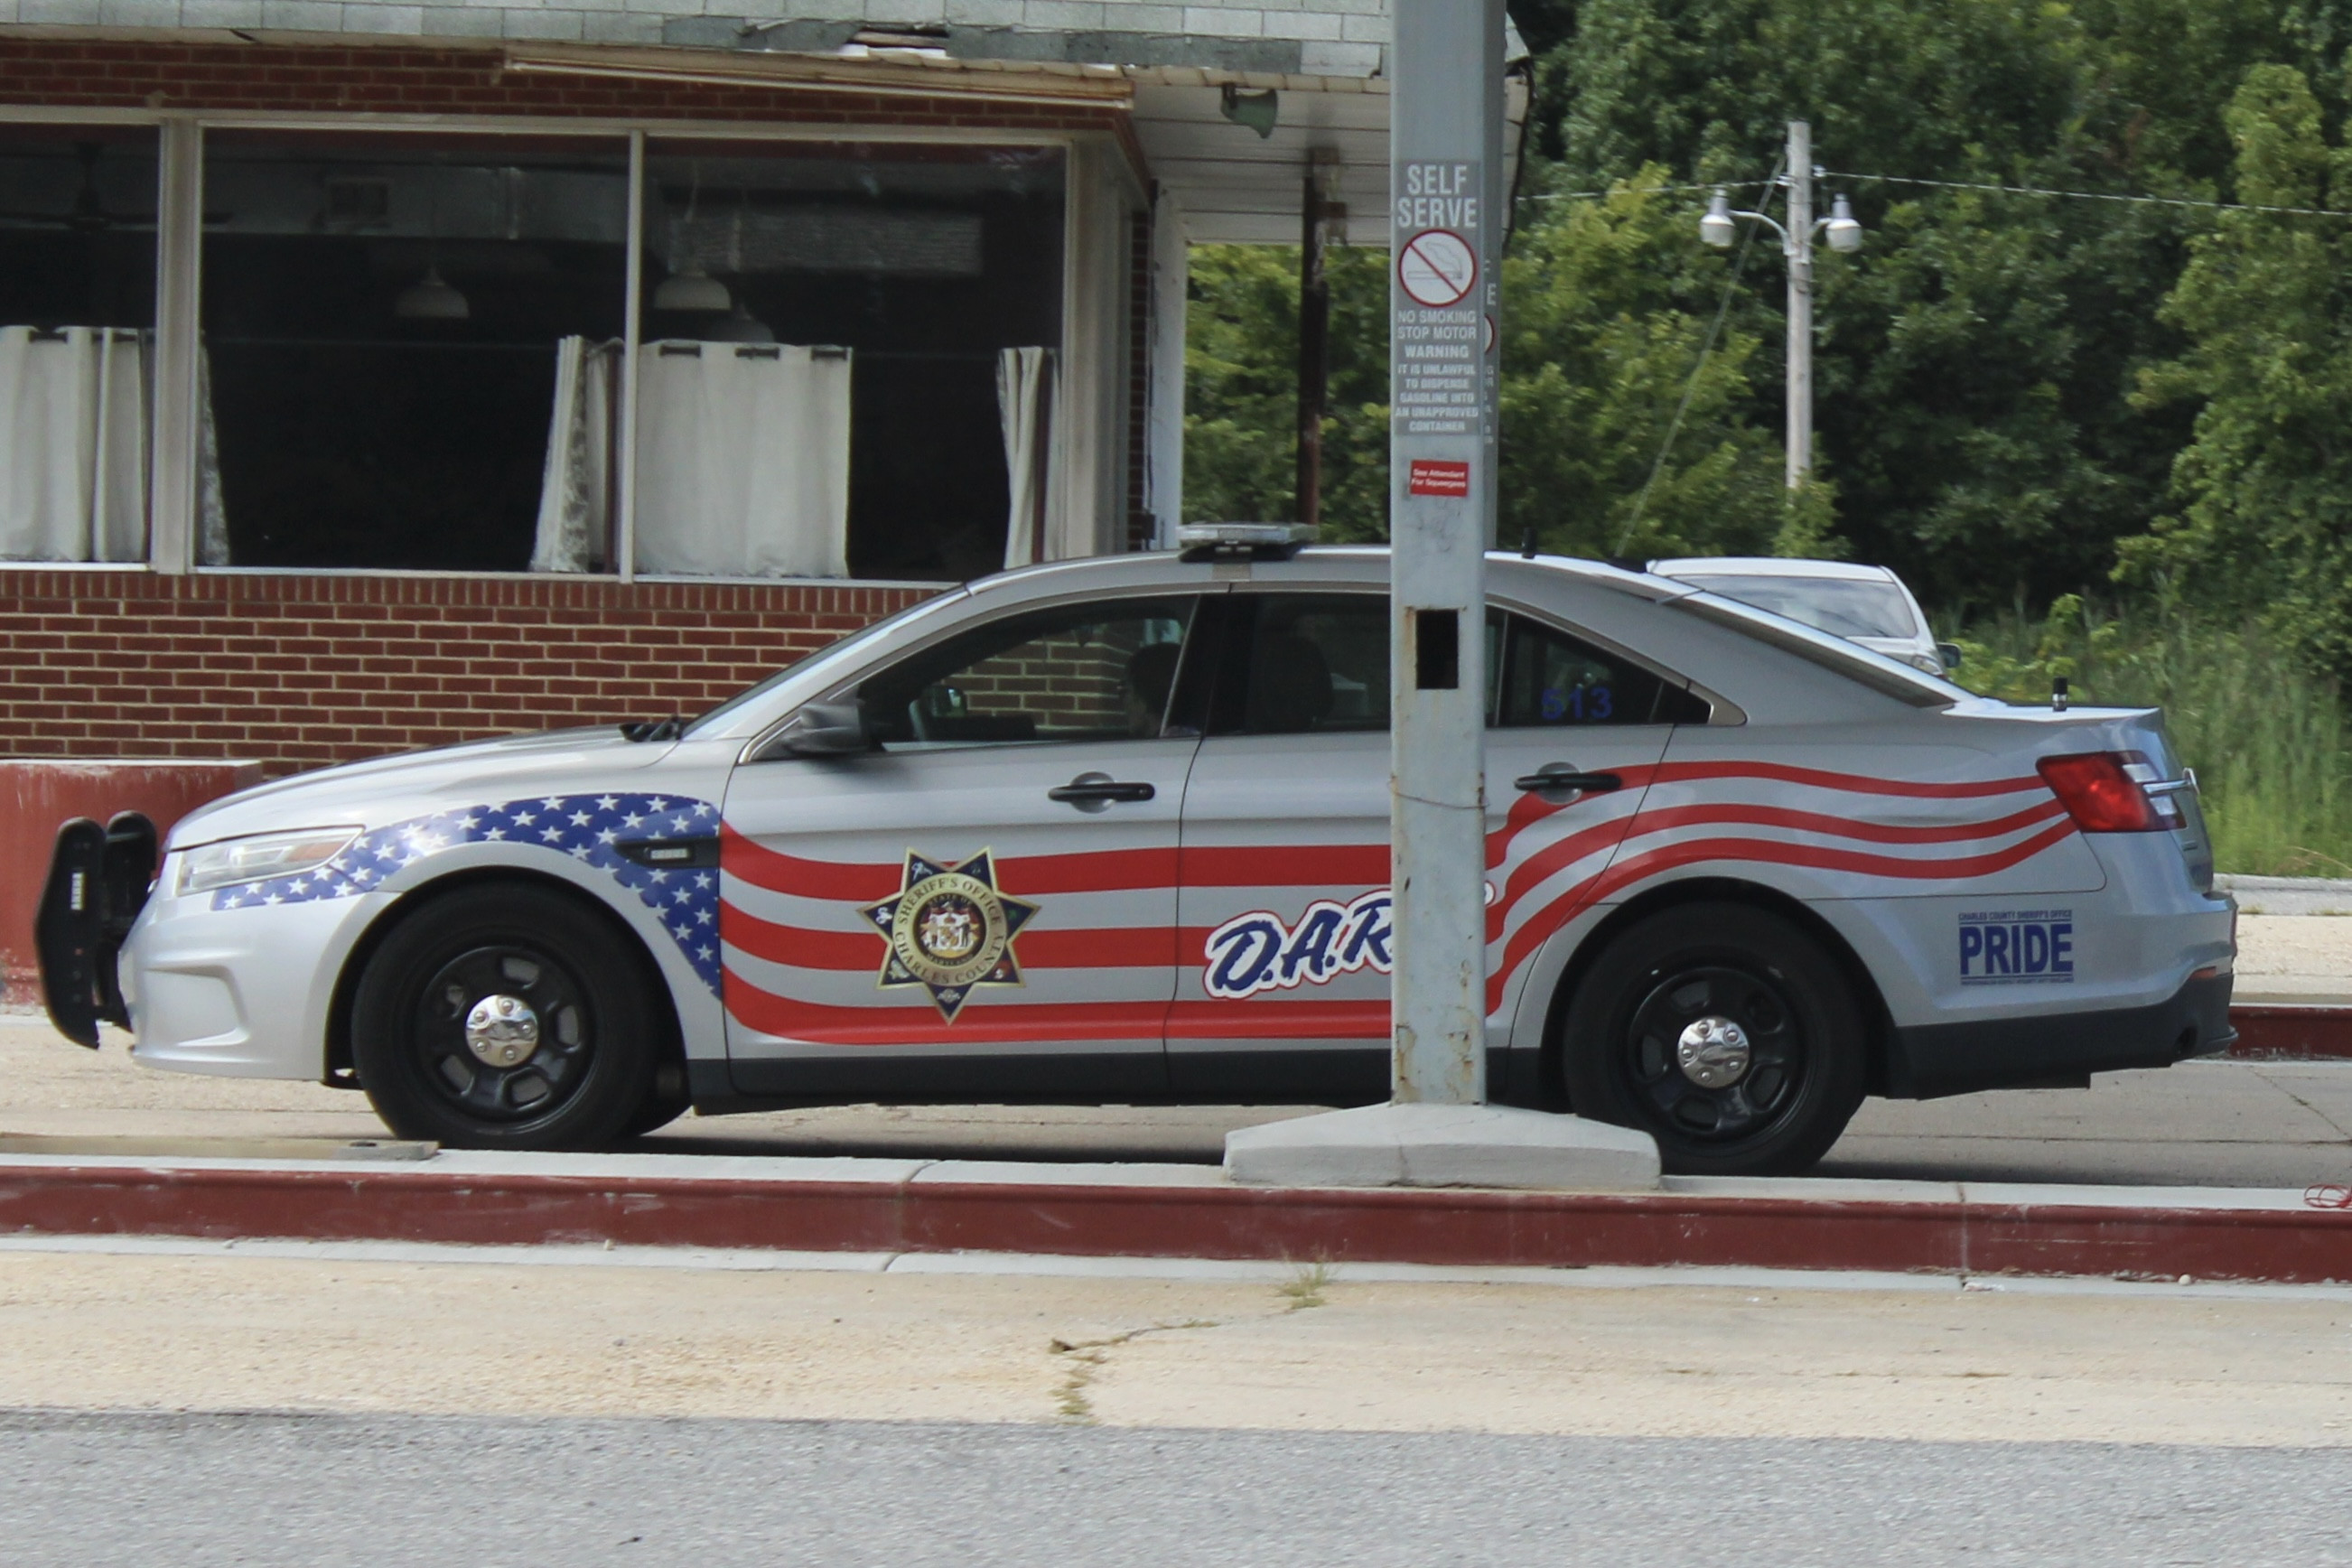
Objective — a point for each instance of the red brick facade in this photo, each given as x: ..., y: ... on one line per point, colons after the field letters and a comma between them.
x: 299, y: 671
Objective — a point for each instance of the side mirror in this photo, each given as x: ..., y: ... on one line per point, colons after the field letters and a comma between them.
x: 1950, y: 652
x: 823, y: 729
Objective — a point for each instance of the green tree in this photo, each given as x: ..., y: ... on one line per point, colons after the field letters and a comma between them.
x: 1241, y: 393
x: 1975, y: 363
x: 2266, y: 524
x: 1607, y: 309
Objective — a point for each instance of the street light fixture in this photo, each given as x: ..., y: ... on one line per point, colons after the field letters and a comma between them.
x: 1843, y: 233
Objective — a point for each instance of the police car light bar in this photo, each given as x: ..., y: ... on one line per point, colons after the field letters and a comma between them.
x: 1243, y: 541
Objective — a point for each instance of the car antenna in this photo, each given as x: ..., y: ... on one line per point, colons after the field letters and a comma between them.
x: 1527, y: 542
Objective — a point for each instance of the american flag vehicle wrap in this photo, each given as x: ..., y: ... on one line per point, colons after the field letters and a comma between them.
x: 1306, y: 952
x: 591, y: 830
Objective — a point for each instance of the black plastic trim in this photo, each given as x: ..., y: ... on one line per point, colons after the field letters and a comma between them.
x: 669, y: 854
x: 1926, y: 1061
x: 98, y: 883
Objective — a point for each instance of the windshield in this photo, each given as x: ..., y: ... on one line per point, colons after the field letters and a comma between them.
x: 1841, y: 606
x: 706, y: 722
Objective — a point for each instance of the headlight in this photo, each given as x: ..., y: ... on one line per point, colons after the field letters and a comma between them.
x: 260, y: 857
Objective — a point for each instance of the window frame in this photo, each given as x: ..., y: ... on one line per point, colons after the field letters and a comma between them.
x: 172, y: 500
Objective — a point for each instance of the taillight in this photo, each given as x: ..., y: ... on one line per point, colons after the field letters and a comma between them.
x: 2099, y: 794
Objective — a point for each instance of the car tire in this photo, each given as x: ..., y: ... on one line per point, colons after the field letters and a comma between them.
x: 1724, y: 1033
x: 505, y: 1017
x: 658, y: 1111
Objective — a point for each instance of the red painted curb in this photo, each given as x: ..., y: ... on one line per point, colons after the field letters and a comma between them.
x: 1443, y: 1226
x: 2287, y: 1032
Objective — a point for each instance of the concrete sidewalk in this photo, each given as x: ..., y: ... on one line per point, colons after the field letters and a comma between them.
x: 2239, y: 1124
x: 1885, y: 1359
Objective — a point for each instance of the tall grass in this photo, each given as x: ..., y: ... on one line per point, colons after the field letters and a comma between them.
x: 2268, y: 738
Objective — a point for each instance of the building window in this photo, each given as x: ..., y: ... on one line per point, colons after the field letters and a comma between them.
x: 408, y: 350
x: 77, y: 208
x: 414, y: 350
x: 846, y: 356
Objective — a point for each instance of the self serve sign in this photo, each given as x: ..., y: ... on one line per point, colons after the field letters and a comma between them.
x: 2010, y: 947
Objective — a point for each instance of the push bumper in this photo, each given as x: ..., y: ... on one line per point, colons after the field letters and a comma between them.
x: 1929, y: 1060
x: 98, y: 879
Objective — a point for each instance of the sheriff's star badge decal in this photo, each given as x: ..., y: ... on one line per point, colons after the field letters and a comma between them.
x: 950, y: 931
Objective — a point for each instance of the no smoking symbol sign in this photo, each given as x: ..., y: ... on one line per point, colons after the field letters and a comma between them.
x: 1437, y: 267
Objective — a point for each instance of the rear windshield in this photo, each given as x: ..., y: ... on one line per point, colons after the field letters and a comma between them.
x: 1841, y: 606
x: 1856, y: 663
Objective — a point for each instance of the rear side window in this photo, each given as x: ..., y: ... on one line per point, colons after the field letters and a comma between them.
x: 1292, y: 664
x: 1540, y: 678
x: 1295, y: 664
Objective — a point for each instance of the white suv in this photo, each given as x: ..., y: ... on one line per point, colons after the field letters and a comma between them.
x: 1865, y: 605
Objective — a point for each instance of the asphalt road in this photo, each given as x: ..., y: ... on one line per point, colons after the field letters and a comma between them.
x: 272, y: 1489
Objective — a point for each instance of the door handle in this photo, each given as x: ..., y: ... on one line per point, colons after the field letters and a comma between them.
x: 1560, y: 776
x: 1095, y: 790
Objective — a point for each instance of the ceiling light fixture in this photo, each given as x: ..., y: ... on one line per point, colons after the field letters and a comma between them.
x: 431, y: 300
x: 738, y: 326
x: 692, y: 290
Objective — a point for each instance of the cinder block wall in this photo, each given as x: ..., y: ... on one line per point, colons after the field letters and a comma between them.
x: 298, y: 671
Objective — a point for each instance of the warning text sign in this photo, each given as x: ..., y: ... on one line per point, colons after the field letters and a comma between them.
x: 1436, y: 477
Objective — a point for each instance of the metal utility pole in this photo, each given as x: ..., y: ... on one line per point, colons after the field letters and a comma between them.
x: 1446, y: 206
x: 1318, y: 210
x: 1800, y: 458
x: 1843, y: 234
x: 1446, y: 65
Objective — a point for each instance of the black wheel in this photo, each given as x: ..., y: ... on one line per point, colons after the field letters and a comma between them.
x: 504, y: 1017
x: 658, y: 1110
x: 1724, y: 1032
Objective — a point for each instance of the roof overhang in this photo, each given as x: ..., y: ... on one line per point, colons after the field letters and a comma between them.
x: 1235, y: 187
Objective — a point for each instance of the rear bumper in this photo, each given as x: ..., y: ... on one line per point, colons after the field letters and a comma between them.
x: 1927, y: 1060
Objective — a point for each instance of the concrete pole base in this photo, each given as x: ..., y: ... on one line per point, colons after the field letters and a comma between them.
x: 1421, y: 1145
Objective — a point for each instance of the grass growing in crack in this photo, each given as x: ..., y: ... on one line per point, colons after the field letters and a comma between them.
x: 1305, y: 1286
x: 1086, y: 1357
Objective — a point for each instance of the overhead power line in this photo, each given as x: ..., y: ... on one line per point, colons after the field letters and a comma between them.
x: 1690, y: 387
x: 1962, y: 185
x: 2092, y: 196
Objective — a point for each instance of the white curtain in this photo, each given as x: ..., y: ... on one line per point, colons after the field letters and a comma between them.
x: 73, y: 445
x: 577, y: 489
x: 742, y: 460
x: 1022, y: 404
x: 212, y: 514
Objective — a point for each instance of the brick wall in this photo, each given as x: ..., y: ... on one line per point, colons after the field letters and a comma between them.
x: 299, y: 671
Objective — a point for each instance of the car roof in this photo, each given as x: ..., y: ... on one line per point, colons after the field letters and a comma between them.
x: 1356, y: 563
x: 1768, y: 566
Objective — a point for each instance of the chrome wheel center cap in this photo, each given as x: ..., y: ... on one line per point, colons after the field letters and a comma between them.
x: 502, y: 1031
x: 1713, y: 1053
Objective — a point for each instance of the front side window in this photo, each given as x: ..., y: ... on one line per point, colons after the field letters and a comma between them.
x: 1092, y: 672
x: 77, y: 206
